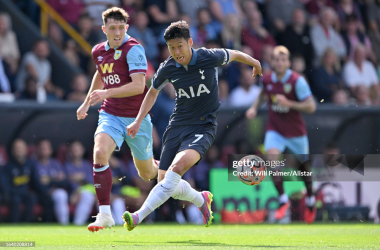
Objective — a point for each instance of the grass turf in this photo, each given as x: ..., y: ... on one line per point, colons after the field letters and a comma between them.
x: 164, y: 236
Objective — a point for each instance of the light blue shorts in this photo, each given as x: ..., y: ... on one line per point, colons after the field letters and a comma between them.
x: 297, y: 145
x: 116, y: 127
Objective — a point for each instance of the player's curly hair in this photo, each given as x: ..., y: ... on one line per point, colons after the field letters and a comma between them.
x: 178, y: 29
x: 118, y: 14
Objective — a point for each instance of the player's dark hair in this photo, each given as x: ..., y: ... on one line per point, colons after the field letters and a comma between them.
x: 178, y: 29
x: 118, y: 14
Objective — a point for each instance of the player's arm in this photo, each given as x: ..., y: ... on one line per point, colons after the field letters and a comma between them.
x: 239, y: 56
x: 146, y: 105
x: 251, y: 112
x: 303, y: 93
x: 96, y: 84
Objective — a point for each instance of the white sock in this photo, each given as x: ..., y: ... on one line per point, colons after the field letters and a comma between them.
x: 84, y: 208
x: 283, y: 198
x: 310, y: 201
x: 105, y: 209
x: 185, y: 192
x: 61, y: 205
x: 159, y: 194
x: 118, y: 208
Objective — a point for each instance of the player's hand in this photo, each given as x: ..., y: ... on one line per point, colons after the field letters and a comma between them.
x: 98, y: 96
x: 283, y: 101
x: 82, y: 111
x: 251, y: 113
x: 257, y: 70
x: 132, y: 129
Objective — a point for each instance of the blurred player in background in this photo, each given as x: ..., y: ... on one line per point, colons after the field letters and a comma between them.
x: 120, y: 83
x: 192, y: 126
x: 288, y: 94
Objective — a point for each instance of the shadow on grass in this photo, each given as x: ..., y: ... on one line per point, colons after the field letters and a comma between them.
x: 197, y: 243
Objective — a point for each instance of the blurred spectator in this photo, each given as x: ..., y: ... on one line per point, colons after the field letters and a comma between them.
x: 204, y: 30
x: 220, y: 9
x: 70, y: 52
x: 296, y: 37
x: 280, y: 13
x: 192, y: 8
x: 352, y: 37
x: 54, y: 179
x: 374, y: 26
x: 36, y: 64
x: 142, y: 33
x: 359, y: 71
x: 5, y: 86
x: 255, y: 35
x: 85, y: 29
x: 31, y: 9
x: 70, y: 10
x: 346, y: 8
x: 266, y: 59
x: 340, y: 97
x: 131, y: 7
x: 223, y: 92
x: 79, y: 87
x: 245, y: 94
x: 20, y: 176
x: 315, y: 6
x: 326, y: 78
x: 298, y: 64
x: 79, y: 172
x: 248, y: 6
x: 161, y: 14
x: 30, y: 90
x: 362, y: 96
x: 231, y: 33
x: 9, y: 51
x: 95, y: 8
x: 324, y: 36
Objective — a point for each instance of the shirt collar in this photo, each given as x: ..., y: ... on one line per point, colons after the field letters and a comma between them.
x: 192, y: 61
x: 284, y: 79
x: 107, y: 47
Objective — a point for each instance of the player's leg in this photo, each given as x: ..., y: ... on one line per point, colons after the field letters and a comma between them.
x: 108, y: 136
x: 165, y: 188
x: 274, y: 145
x: 142, y: 148
x: 300, y: 145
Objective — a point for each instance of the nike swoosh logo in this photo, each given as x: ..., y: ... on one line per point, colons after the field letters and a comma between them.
x: 175, y: 80
x: 192, y: 145
x: 164, y: 187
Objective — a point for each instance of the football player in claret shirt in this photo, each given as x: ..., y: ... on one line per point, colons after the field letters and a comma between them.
x: 288, y: 94
x: 192, y: 126
x: 119, y: 82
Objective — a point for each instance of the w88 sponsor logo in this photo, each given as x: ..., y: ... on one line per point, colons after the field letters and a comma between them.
x: 111, y: 79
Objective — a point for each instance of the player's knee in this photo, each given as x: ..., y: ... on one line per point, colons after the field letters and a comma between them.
x: 100, y: 154
x: 178, y: 167
x: 146, y: 175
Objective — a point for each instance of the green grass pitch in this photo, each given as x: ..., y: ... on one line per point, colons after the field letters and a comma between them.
x: 171, y: 236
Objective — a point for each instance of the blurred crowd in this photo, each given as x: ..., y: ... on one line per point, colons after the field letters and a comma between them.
x: 40, y: 183
x: 335, y: 44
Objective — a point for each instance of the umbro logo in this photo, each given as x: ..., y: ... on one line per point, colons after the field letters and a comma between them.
x: 97, y: 185
x: 100, y: 58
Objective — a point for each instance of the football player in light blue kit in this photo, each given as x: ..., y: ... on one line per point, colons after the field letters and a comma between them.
x: 193, y: 124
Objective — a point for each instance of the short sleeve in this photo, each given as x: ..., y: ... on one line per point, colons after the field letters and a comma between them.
x: 302, y: 89
x: 159, y: 79
x: 219, y: 57
x: 136, y: 60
